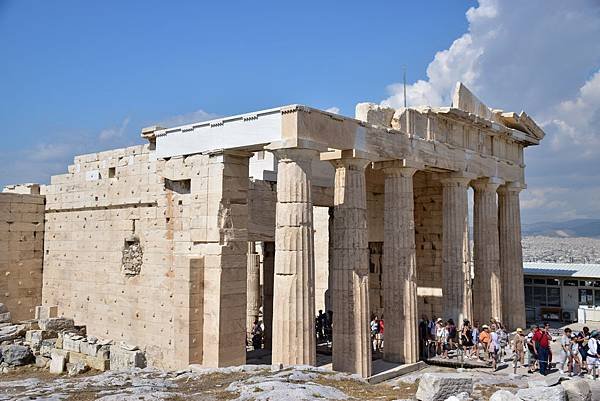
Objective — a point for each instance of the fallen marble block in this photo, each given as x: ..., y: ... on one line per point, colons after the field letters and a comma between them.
x: 57, y: 324
x: 440, y: 386
x: 577, y: 389
x: 59, y: 361
x: 16, y: 355
x: 124, y: 359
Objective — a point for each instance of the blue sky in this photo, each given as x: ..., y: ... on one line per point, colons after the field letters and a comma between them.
x: 79, y: 76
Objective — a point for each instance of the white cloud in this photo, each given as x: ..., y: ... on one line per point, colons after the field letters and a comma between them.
x: 188, y: 118
x: 542, y: 56
x: 114, y: 132
x: 334, y: 110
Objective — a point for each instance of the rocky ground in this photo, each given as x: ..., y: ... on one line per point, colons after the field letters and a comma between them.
x: 256, y: 382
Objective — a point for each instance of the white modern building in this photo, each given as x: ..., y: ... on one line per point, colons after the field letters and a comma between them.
x: 562, y: 291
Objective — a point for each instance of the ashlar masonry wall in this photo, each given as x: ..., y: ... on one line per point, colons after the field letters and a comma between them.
x: 135, y: 246
x: 21, y: 253
x: 428, y: 242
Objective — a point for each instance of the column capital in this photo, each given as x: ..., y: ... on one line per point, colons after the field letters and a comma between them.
x: 400, y: 167
x: 487, y: 184
x: 511, y: 187
x: 351, y: 159
x: 459, y: 178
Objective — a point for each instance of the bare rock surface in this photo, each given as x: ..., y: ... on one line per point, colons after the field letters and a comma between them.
x: 577, y: 390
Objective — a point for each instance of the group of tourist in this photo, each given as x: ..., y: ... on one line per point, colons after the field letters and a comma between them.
x: 579, y: 351
x: 439, y: 337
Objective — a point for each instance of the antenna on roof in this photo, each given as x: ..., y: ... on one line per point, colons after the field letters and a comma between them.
x: 404, y: 81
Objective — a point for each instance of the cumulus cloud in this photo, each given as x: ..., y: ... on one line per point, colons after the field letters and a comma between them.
x: 334, y: 110
x: 544, y: 57
x: 114, y: 132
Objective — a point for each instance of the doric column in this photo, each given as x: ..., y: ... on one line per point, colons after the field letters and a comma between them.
x: 351, y: 336
x: 486, y: 254
x: 252, y: 287
x: 399, y: 275
x: 294, y: 282
x: 456, y: 272
x: 268, y: 272
x: 511, y: 256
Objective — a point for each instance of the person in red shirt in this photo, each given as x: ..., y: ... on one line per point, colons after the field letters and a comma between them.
x: 541, y: 341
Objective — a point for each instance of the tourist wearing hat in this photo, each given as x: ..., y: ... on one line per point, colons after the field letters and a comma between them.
x: 484, y: 339
x: 518, y: 347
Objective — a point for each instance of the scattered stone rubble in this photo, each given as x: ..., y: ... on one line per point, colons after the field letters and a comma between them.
x: 56, y: 343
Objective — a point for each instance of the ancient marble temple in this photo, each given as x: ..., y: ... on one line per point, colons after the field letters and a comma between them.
x: 178, y: 245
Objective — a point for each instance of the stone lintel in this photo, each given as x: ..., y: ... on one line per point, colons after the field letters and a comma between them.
x: 296, y: 143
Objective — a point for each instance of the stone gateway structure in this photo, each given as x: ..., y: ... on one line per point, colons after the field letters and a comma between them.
x: 178, y: 245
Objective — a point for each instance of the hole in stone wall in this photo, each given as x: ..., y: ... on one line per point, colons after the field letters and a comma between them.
x: 112, y: 172
x: 179, y: 186
x: 132, y: 256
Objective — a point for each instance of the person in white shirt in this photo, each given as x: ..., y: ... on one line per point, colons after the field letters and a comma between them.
x: 494, y: 346
x: 592, y: 353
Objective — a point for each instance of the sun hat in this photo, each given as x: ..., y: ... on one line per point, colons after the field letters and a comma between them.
x: 519, y: 330
x: 485, y: 326
x: 439, y: 319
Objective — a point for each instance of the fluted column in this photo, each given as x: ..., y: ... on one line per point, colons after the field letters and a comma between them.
x: 351, y: 336
x: 252, y: 287
x: 399, y: 265
x: 294, y: 282
x: 456, y: 272
x: 487, y: 286
x: 511, y: 256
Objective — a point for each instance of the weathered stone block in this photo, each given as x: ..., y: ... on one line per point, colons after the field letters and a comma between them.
x: 577, y: 390
x: 72, y: 343
x: 5, y: 317
x: 16, y: 355
x: 439, y: 386
x: 74, y: 369
x: 47, y: 346
x: 98, y: 363
x: 42, y: 361
x: 58, y: 361
x: 35, y: 337
x: 375, y: 114
x: 123, y: 359
x: 56, y: 324
x: 46, y: 312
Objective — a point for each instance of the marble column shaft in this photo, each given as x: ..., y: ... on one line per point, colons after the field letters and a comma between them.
x: 253, y: 300
x: 487, y: 285
x: 511, y: 256
x: 294, y: 282
x: 351, y: 334
x: 456, y: 272
x: 399, y: 267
